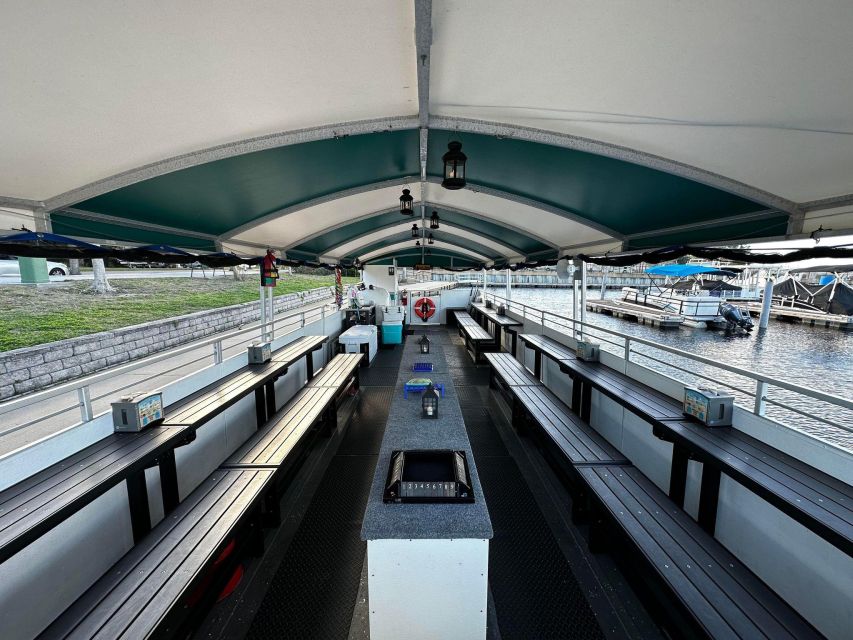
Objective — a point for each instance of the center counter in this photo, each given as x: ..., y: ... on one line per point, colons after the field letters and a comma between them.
x: 426, y: 559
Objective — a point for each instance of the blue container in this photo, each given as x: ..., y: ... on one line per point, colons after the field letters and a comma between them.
x: 392, y: 333
x: 826, y: 279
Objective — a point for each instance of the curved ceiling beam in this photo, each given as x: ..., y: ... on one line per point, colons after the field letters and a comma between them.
x: 228, y: 150
x: 530, y: 202
x: 486, y: 218
x: 445, y: 253
x: 401, y: 247
x: 618, y: 152
x: 354, y: 245
x: 448, y: 240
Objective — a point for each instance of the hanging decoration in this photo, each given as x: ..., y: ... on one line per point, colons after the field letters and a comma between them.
x: 407, y: 203
x: 339, y: 288
x: 454, y: 166
x: 415, y: 232
x: 430, y: 239
x: 434, y: 220
x: 269, y: 270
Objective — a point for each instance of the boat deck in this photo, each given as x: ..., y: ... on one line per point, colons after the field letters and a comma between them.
x: 543, y: 581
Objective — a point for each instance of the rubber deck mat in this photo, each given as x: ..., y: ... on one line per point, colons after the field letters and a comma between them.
x: 470, y: 376
x: 535, y: 593
x: 314, y: 590
x: 382, y: 372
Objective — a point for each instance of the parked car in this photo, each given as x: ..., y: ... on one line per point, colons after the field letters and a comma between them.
x: 9, y: 267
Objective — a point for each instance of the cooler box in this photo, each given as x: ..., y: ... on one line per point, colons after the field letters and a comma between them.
x: 361, y: 338
x: 392, y: 333
x: 393, y: 314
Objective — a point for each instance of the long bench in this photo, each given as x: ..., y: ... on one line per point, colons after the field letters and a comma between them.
x: 171, y: 577
x: 35, y: 505
x: 175, y: 571
x: 477, y: 339
x: 816, y: 500
x: 703, y: 589
x: 499, y: 322
x: 202, y: 406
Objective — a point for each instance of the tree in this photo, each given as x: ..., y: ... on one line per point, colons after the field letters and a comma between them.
x: 74, y: 266
x: 100, y: 284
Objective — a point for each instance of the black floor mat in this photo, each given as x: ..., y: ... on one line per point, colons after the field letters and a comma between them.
x: 535, y: 593
x: 314, y: 589
x: 465, y: 376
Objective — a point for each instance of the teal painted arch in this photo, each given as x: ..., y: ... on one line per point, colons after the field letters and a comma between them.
x: 443, y: 258
x: 446, y: 238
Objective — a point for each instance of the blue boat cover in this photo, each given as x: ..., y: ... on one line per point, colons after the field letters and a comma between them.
x: 683, y: 270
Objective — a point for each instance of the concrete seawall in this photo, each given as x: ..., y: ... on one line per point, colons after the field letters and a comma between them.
x: 31, y: 369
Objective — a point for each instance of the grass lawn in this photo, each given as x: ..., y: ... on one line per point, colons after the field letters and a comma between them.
x: 37, y: 315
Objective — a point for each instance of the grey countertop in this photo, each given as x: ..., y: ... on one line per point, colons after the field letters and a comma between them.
x: 405, y: 429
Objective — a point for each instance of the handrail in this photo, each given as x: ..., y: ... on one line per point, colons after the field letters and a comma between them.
x: 17, y: 403
x: 748, y: 373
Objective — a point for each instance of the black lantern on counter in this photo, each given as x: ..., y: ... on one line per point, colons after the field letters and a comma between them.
x: 434, y: 220
x: 454, y: 166
x: 407, y: 206
x: 415, y: 233
x: 429, y: 403
x: 423, y: 343
x: 430, y: 239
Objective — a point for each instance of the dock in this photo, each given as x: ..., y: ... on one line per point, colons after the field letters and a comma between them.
x: 804, y: 316
x: 638, y: 313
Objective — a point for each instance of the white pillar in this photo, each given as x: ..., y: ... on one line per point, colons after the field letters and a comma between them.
x: 583, y: 295
x: 765, y: 304
x: 603, y: 283
x: 508, y: 293
x: 262, y: 302
x: 271, y: 314
x: 484, y: 285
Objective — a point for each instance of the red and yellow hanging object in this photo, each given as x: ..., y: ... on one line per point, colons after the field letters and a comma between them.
x: 269, y: 270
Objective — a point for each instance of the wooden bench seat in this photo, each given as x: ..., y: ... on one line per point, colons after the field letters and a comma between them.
x: 340, y: 370
x: 499, y: 322
x: 35, y: 505
x: 579, y: 443
x: 151, y: 591
x: 543, y: 345
x: 477, y: 339
x: 647, y: 403
x: 704, y: 590
x: 815, y: 499
x: 202, y: 406
x: 509, y: 370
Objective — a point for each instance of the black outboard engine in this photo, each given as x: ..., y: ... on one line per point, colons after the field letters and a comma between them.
x: 736, y: 317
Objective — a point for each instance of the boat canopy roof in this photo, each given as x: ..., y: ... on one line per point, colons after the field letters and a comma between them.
x: 296, y: 125
x: 684, y: 270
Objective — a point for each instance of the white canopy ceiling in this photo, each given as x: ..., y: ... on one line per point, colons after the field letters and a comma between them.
x: 757, y: 93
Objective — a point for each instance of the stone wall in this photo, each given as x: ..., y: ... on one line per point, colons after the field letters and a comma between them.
x: 33, y: 368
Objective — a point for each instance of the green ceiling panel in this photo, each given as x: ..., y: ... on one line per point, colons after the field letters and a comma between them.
x: 406, y: 236
x: 619, y: 195
x: 771, y: 226
x: 515, y: 240
x: 70, y: 226
x: 219, y: 196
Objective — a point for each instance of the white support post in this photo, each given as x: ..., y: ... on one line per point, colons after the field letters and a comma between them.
x: 508, y: 294
x: 603, y: 283
x: 583, y: 296
x: 760, y: 398
x: 263, y: 305
x: 484, y: 285
x: 764, y: 320
x: 271, y: 313
x: 85, y: 401
x: 575, y: 298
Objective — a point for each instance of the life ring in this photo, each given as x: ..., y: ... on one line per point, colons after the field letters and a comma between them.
x: 425, y: 308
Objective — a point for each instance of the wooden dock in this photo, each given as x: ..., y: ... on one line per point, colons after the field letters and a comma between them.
x: 636, y: 312
x: 803, y: 316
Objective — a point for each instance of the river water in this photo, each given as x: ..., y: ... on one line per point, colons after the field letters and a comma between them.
x: 820, y: 359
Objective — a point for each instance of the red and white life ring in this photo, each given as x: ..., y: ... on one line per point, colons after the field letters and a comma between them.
x: 425, y: 308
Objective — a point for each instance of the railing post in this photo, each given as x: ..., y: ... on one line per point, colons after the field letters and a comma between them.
x: 302, y: 319
x: 86, y: 412
x: 627, y: 349
x: 217, y: 352
x: 760, y: 396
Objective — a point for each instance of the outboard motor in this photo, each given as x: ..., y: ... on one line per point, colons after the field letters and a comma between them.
x: 736, y: 317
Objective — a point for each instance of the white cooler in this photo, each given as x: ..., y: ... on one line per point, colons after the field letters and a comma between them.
x: 356, y: 337
x: 393, y: 313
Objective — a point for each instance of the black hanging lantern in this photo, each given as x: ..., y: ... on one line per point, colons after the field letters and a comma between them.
x: 407, y: 206
x: 454, y: 166
x: 415, y: 233
x: 429, y: 403
x: 423, y: 343
x: 417, y: 243
x: 429, y: 252
x: 430, y: 239
x: 434, y: 220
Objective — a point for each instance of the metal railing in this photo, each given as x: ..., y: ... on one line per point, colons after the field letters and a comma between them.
x: 625, y: 345
x: 281, y: 325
